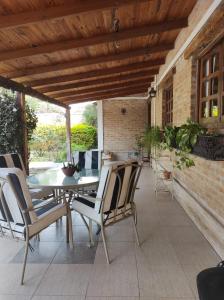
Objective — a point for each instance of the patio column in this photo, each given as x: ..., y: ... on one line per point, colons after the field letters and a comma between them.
x: 20, y: 98
x: 68, y: 134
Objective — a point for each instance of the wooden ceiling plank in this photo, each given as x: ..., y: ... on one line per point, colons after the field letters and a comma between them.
x: 90, y: 61
x: 93, y: 97
x: 95, y: 40
x: 110, y: 87
x: 99, y: 73
x: 15, y: 86
x: 58, y: 12
x: 98, y: 82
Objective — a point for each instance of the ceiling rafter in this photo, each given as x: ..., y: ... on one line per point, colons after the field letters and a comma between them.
x: 90, y: 61
x: 98, y: 82
x: 109, y: 87
x: 15, y: 86
x: 95, y: 40
x: 151, y: 65
x: 58, y: 12
x: 107, y: 95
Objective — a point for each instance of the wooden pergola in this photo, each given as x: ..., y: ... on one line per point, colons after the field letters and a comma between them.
x: 66, y: 51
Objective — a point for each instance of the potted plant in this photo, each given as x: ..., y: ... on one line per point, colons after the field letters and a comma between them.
x: 70, y: 168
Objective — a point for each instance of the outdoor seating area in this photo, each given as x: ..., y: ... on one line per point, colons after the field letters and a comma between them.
x: 112, y: 150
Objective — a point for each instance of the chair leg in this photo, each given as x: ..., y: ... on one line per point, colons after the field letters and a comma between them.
x: 70, y: 230
x: 136, y: 232
x: 25, y: 260
x: 104, y: 243
x: 91, y: 241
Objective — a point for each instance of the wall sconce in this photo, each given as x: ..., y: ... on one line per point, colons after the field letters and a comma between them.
x: 152, y: 92
x: 123, y: 111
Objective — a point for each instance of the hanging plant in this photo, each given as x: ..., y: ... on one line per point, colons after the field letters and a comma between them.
x: 181, y: 140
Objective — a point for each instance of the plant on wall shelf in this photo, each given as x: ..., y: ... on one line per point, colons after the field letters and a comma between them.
x: 182, y: 139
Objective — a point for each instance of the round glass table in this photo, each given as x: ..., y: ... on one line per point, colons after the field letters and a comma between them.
x: 55, y: 179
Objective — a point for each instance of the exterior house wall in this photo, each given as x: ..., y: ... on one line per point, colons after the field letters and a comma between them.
x: 120, y: 130
x: 200, y: 189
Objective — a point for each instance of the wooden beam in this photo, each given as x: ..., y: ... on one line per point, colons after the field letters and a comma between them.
x: 99, y: 82
x: 95, y: 40
x: 68, y: 134
x: 148, y: 64
x: 95, y: 97
x: 104, y: 92
x: 83, y: 62
x: 21, y: 102
x: 99, y: 89
x: 58, y: 12
x: 15, y: 86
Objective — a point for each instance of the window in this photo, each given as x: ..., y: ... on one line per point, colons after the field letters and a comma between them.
x: 168, y: 103
x: 211, y: 104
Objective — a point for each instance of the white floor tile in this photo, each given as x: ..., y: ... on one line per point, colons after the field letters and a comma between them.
x: 9, y: 248
x: 65, y: 280
x: 58, y: 298
x: 164, y: 282
x: 119, y: 252
x: 11, y: 276
x: 115, y: 280
x: 14, y: 297
x: 196, y: 254
x: 157, y: 253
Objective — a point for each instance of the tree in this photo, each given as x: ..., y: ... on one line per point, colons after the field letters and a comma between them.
x: 90, y: 115
x: 11, y: 129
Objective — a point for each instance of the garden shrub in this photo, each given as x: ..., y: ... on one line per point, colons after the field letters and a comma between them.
x: 49, y: 141
x: 11, y: 129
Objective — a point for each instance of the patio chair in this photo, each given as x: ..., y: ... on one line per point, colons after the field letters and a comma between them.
x: 114, y: 200
x: 18, y: 215
x: 14, y: 160
x: 210, y: 283
x: 89, y: 160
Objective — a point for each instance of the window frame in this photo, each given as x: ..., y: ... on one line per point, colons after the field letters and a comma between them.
x: 210, y: 121
x: 168, y: 102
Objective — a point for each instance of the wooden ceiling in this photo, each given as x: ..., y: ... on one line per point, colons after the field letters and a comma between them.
x: 68, y: 51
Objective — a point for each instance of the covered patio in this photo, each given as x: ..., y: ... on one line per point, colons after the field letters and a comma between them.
x: 172, y: 253
x: 156, y: 71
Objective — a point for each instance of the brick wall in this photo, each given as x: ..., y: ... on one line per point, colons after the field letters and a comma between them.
x: 120, y: 130
x: 203, y: 192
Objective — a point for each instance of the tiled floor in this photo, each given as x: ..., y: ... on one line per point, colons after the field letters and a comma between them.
x: 164, y: 268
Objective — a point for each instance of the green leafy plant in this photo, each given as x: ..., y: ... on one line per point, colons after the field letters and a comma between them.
x: 153, y: 138
x: 182, y: 139
x: 11, y: 129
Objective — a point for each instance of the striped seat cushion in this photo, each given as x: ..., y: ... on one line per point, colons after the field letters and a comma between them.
x: 46, y: 208
x: 85, y: 201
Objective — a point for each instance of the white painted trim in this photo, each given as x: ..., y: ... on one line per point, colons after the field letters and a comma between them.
x: 196, y: 30
x: 100, y: 125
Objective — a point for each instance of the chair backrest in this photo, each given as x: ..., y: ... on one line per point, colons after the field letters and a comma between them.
x: 90, y: 159
x: 12, y: 160
x: 79, y: 158
x: 120, y: 186
x: 15, y: 197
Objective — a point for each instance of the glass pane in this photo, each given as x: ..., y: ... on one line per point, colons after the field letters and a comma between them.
x: 222, y: 105
x: 214, y: 108
x: 205, y: 88
x: 205, y: 109
x: 214, y: 85
x: 215, y: 63
x: 206, y: 68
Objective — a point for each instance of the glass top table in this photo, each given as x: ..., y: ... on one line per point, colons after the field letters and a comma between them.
x: 55, y: 178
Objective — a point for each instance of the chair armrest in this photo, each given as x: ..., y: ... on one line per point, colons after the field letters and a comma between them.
x: 92, y: 199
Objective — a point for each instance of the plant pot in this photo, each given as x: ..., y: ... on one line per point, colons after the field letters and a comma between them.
x: 167, y: 174
x: 210, y: 147
x: 69, y: 171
